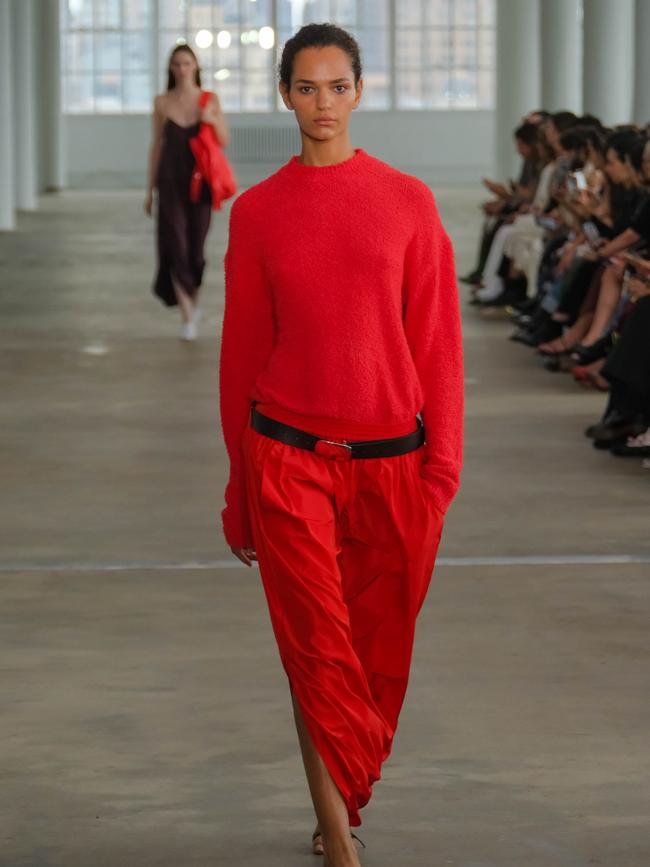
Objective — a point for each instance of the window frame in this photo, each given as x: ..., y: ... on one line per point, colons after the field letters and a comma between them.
x: 393, y: 69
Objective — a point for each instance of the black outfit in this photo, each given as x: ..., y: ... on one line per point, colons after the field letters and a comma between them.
x: 628, y: 364
x: 641, y: 220
x: 182, y: 225
x: 627, y: 204
x: 579, y: 280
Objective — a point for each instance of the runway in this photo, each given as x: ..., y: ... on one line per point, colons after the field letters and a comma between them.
x: 145, y: 716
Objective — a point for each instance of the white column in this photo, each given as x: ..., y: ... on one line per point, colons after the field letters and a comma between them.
x: 24, y: 104
x: 50, y: 119
x: 518, y: 75
x: 7, y: 213
x: 642, y: 63
x: 562, y: 55
x: 609, y: 59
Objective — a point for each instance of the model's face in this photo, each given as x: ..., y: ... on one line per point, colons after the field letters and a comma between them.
x: 183, y: 67
x: 322, y: 92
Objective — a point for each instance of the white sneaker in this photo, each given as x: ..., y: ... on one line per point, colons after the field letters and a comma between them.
x: 188, y: 331
x: 491, y: 291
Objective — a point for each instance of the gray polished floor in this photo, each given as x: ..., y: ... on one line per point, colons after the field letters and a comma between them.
x: 145, y: 719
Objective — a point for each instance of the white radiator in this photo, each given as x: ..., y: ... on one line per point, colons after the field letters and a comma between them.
x: 263, y: 144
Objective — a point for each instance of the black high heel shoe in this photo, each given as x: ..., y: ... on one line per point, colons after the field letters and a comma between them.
x: 588, y: 354
x: 317, y: 842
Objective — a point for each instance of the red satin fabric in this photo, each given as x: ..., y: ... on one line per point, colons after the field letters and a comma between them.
x: 211, y: 163
x: 346, y: 549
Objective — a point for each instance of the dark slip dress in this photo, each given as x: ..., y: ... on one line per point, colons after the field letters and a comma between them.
x: 182, y: 225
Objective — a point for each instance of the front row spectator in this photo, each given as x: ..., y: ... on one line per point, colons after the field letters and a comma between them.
x: 568, y: 256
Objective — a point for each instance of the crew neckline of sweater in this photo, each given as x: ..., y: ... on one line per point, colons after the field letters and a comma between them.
x: 351, y: 164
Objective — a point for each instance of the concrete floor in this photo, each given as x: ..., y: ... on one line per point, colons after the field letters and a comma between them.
x: 145, y: 717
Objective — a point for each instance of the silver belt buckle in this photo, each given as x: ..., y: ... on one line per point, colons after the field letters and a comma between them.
x: 336, y: 451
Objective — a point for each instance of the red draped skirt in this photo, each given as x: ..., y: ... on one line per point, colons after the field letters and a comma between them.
x: 346, y: 549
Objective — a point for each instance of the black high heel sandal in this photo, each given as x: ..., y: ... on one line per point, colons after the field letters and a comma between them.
x: 585, y: 355
x: 317, y: 842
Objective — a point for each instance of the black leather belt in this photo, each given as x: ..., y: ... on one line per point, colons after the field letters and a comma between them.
x: 338, y: 449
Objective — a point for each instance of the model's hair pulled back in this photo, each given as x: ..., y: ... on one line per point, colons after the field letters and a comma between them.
x: 319, y: 36
x: 171, y: 79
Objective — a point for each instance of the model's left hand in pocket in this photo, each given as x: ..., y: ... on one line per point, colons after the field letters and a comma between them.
x: 427, y: 490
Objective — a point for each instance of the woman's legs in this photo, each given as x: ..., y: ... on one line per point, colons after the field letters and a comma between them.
x: 493, y: 282
x: 198, y: 226
x: 329, y: 806
x: 570, y: 337
x: 490, y: 227
x: 346, y: 550
x: 185, y: 301
x: 608, y: 298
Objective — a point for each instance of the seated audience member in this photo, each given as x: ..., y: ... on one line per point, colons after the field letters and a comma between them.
x: 532, y: 143
x: 602, y: 221
x: 625, y: 426
x: 509, y: 198
x: 513, y: 264
x: 579, y: 243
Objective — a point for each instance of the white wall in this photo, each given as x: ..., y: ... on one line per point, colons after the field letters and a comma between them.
x: 451, y: 146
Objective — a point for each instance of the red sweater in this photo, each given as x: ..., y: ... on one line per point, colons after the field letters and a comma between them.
x: 341, y: 303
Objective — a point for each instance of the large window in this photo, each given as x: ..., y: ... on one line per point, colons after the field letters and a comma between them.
x: 234, y: 41
x: 107, y: 55
x: 445, y: 53
x: 417, y: 54
x: 368, y: 20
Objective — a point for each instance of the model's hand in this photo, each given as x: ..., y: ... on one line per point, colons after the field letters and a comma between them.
x: 208, y: 113
x: 148, y: 204
x: 246, y: 555
x: 212, y: 114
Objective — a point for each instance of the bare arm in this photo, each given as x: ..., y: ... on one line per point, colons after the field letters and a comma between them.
x: 619, y: 243
x: 213, y: 114
x: 157, y: 123
x: 498, y: 189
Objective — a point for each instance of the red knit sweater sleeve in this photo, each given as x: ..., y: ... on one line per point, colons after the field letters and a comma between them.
x: 432, y: 326
x: 246, y: 343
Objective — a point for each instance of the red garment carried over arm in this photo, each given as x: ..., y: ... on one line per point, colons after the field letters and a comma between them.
x: 211, y: 164
x: 246, y: 343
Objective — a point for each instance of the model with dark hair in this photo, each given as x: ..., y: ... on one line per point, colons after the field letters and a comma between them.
x: 182, y: 224
x: 341, y: 404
